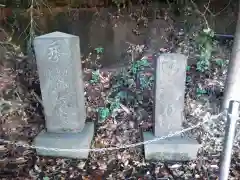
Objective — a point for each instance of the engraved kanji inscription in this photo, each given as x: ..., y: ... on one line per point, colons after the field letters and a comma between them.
x: 58, y: 59
x: 169, y: 93
x: 170, y: 68
x: 54, y: 51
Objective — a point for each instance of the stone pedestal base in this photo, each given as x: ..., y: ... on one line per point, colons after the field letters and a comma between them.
x: 170, y: 149
x: 65, y: 144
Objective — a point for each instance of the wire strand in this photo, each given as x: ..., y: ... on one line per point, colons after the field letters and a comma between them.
x: 177, y: 133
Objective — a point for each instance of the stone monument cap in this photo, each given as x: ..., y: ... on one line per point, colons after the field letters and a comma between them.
x: 56, y: 34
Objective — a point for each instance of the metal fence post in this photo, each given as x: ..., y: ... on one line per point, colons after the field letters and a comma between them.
x: 232, y: 83
x: 230, y: 129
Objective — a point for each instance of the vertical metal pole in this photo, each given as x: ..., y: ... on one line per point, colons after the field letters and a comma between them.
x: 232, y: 84
x: 232, y: 117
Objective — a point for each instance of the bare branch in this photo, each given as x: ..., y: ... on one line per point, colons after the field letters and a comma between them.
x: 202, y: 14
x: 218, y: 13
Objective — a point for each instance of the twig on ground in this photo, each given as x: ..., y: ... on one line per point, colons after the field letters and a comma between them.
x: 5, y: 33
x: 125, y: 109
x: 37, y: 97
x: 6, y: 43
x: 19, y: 97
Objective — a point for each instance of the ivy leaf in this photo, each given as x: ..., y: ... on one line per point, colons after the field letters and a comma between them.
x: 134, y: 70
x: 144, y: 62
x: 188, y: 79
x: 103, y: 113
x: 188, y: 68
x: 99, y: 50
x: 209, y: 32
x: 208, y: 51
x: 115, y: 104
x: 46, y: 178
x: 206, y: 30
x: 4, y: 107
x: 122, y: 95
x: 201, y: 91
x: 139, y: 65
x: 202, y: 65
x: 143, y: 81
x: 95, y: 76
x: 219, y: 62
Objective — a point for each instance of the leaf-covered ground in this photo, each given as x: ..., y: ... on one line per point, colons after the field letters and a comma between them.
x: 120, y: 100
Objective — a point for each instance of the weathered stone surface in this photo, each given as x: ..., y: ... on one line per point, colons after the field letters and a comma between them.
x: 171, y: 149
x: 59, y: 68
x: 170, y: 75
x: 60, y: 73
x: 68, y: 145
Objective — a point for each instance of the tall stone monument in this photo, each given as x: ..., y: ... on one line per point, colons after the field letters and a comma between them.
x: 170, y: 76
x: 60, y: 73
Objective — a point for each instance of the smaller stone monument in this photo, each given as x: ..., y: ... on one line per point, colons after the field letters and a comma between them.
x: 170, y: 76
x: 60, y: 73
